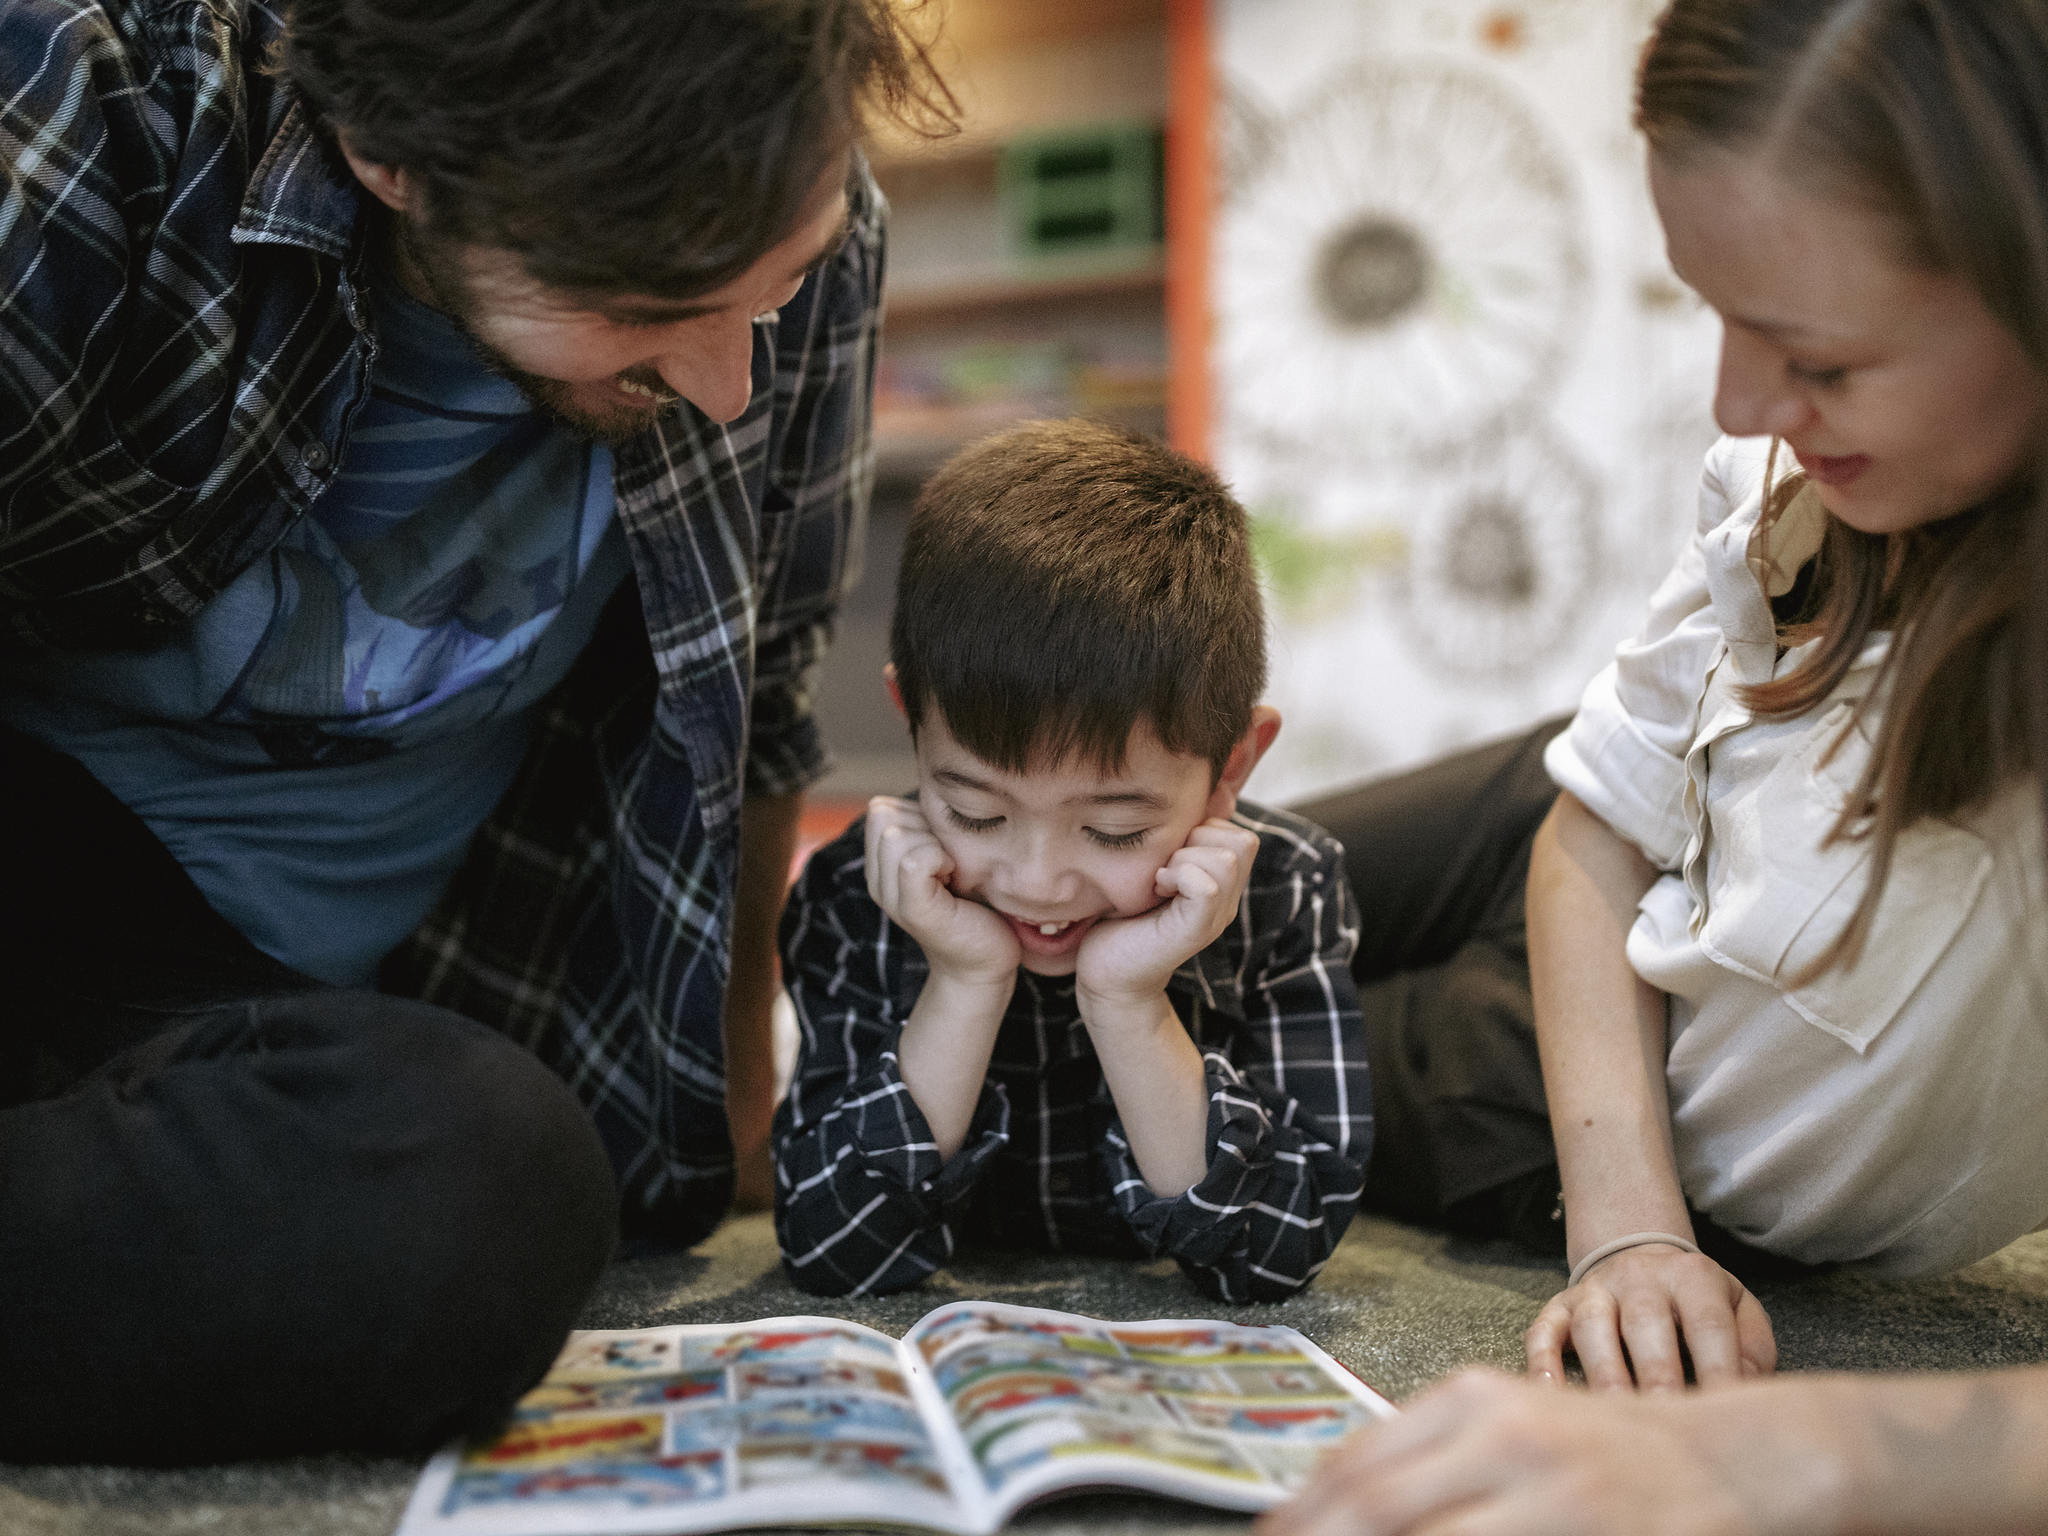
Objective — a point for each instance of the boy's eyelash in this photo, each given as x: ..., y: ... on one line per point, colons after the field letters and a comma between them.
x: 973, y: 823
x: 1118, y: 839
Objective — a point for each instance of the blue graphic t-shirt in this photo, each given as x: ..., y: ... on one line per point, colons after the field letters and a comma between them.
x: 319, y: 747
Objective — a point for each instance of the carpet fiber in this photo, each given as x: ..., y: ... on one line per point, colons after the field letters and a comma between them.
x: 1399, y: 1306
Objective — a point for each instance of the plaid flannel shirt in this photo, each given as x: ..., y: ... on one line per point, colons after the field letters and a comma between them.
x: 863, y: 1203
x: 184, y: 346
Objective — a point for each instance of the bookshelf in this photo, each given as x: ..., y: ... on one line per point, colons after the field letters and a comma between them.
x: 980, y: 330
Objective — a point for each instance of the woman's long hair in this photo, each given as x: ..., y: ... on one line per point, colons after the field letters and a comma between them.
x: 1933, y: 114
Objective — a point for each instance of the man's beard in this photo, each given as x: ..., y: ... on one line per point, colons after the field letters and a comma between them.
x: 451, y: 292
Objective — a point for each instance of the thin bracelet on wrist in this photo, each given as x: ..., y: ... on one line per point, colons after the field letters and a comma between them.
x: 1608, y: 1250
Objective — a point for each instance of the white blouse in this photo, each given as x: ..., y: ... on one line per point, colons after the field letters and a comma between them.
x: 1895, y: 1112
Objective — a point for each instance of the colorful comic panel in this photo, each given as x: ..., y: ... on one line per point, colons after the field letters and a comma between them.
x: 1277, y: 1380
x: 667, y: 1480
x: 1286, y: 1462
x: 744, y: 1346
x: 709, y: 1428
x: 1164, y: 1379
x: 560, y: 1442
x: 555, y: 1396
x: 963, y: 1326
x: 1178, y: 1345
x: 777, y: 1376
x: 1282, y: 1420
x: 612, y: 1356
x: 1006, y: 1391
x: 965, y: 1366
x: 774, y: 1463
x: 847, y: 1417
x: 1028, y: 1442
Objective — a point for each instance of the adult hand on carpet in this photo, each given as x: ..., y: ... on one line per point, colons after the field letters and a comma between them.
x: 1812, y: 1454
x: 1628, y: 1317
x: 1489, y: 1453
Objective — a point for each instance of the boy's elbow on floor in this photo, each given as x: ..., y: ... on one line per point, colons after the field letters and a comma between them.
x: 817, y: 1280
x: 1236, y: 1284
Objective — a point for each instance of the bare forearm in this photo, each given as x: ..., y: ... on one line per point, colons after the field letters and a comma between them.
x: 1904, y: 1454
x: 944, y: 1049
x: 1155, y: 1075
x: 1957, y: 1453
x: 768, y: 835
x: 1601, y: 1031
x: 1816, y: 1455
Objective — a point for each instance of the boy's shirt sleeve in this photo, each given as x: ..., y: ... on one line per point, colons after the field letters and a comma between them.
x: 1290, y: 1095
x: 862, y: 1199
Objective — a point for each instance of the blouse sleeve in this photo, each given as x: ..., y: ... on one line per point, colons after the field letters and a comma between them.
x: 1624, y: 753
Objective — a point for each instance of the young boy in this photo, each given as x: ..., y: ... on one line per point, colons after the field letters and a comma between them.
x: 1075, y: 994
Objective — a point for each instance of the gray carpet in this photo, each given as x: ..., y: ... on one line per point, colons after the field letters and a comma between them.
x: 1399, y: 1306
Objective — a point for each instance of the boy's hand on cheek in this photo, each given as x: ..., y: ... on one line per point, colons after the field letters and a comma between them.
x: 907, y: 874
x: 1128, y: 961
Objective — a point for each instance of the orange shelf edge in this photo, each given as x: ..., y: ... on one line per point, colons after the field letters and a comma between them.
x: 1190, y: 223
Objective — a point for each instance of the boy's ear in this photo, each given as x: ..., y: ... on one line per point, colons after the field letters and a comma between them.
x: 895, y: 692
x: 1244, y: 757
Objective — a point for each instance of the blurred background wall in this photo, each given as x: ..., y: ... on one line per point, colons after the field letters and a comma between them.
x: 1389, y: 264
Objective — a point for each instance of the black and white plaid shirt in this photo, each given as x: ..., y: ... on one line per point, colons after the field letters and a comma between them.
x: 184, y: 345
x: 863, y: 1203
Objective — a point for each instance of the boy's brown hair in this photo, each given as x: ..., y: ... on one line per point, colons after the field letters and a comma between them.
x: 1064, y: 581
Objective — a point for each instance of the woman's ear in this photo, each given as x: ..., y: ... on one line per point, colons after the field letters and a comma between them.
x: 895, y: 692
x: 1244, y: 757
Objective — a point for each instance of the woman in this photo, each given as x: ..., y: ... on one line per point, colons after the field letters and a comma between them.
x: 1784, y: 923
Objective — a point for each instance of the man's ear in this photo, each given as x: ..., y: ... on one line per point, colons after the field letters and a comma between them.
x: 1244, y: 757
x: 895, y: 691
x: 389, y: 184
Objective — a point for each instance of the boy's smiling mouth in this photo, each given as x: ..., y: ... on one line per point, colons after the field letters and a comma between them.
x: 1047, y: 939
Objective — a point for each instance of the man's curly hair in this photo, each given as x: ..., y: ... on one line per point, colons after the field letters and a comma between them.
x: 654, y: 147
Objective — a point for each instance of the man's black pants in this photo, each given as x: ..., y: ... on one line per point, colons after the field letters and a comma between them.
x: 243, y: 1213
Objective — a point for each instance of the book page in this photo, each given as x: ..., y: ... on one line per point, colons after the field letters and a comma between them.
x: 787, y: 1421
x: 1229, y: 1415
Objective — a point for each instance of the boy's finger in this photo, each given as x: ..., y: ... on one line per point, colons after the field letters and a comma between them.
x: 1194, y: 882
x: 924, y: 864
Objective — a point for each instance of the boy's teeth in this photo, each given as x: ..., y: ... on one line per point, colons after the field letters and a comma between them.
x: 1049, y: 929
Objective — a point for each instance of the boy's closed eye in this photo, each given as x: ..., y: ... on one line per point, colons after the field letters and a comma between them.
x: 1112, y: 840
x: 1117, y: 839
x: 968, y: 823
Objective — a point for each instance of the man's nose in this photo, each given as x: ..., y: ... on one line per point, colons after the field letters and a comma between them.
x: 715, y: 372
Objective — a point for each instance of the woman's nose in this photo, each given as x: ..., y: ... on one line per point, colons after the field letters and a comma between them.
x: 1752, y: 396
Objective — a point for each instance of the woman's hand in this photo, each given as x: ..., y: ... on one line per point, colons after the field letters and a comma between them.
x: 1627, y: 1319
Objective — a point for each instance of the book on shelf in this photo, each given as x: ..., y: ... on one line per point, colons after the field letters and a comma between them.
x: 981, y: 1409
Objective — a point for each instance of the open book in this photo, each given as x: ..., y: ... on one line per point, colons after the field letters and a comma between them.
x: 980, y: 1410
